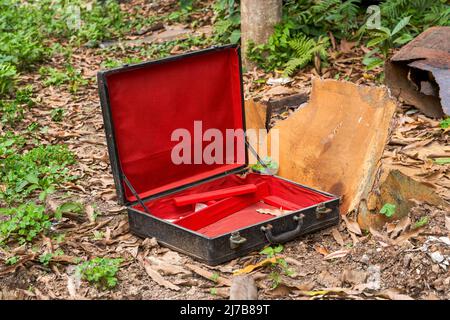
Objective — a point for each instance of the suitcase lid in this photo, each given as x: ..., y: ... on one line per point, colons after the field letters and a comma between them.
x: 143, y: 106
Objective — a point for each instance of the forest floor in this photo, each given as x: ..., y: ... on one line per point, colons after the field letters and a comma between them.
x: 365, y: 267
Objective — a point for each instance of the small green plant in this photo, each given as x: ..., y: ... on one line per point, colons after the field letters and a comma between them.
x: 40, y: 169
x: 68, y: 207
x: 442, y: 161
x: 57, y: 114
x: 280, y: 264
x: 59, y: 238
x: 13, y: 109
x: 388, y: 209
x: 8, y: 74
x: 10, y: 143
x: 276, y: 279
x: 100, y: 271
x: 23, y: 223
x: 271, y: 167
x: 445, y: 124
x: 70, y: 77
x: 385, y: 39
x: 98, y: 235
x: 186, y: 7
x: 215, y: 276
x: 270, y: 252
x: 304, y: 51
x: 113, y: 63
x: 227, y: 21
x: 12, y: 260
x: 45, y: 258
x: 421, y: 222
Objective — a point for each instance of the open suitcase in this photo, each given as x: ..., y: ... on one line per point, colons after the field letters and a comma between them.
x: 142, y: 105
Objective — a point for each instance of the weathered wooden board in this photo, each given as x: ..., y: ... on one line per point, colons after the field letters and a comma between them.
x: 335, y: 143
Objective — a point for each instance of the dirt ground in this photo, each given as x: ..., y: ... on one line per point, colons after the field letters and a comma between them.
x: 366, y: 266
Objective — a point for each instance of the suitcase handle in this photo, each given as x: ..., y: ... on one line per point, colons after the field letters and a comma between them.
x: 284, y: 237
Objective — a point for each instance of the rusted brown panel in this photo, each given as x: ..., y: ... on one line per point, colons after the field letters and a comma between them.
x: 396, y: 76
x: 432, y: 45
x: 429, y: 52
x: 335, y: 143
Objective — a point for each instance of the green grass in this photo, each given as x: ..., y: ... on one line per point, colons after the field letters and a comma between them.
x: 23, y: 223
x: 69, y: 76
x: 100, y: 272
x: 40, y: 169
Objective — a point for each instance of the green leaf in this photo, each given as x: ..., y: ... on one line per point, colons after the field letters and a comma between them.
x: 267, y: 251
x: 388, y: 210
x: 74, y: 207
x: 400, y: 25
x: 32, y: 178
x: 235, y: 36
x: 423, y: 221
x: 442, y: 160
x: 278, y: 248
x: 445, y: 123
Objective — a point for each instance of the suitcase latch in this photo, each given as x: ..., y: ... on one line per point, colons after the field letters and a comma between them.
x: 236, y: 240
x: 322, y: 210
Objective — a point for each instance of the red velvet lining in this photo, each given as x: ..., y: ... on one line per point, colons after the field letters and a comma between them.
x: 149, y: 103
x: 239, y: 211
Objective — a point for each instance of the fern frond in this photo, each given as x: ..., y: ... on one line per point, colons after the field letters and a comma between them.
x: 304, y: 50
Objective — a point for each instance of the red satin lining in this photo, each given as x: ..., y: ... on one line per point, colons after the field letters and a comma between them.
x: 207, y: 223
x: 149, y: 103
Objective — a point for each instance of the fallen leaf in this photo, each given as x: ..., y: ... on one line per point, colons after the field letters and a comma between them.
x: 282, y: 290
x: 278, y: 91
x: 401, y: 226
x: 157, y: 277
x: 407, y: 235
x: 337, y: 236
x: 336, y: 254
x: 352, y: 225
x: 326, y: 279
x: 273, y: 212
x: 346, y: 46
x: 394, y: 294
x: 381, y: 236
x: 320, y: 249
x: 252, y: 267
x: 447, y: 222
x: 166, y: 268
x: 209, y: 275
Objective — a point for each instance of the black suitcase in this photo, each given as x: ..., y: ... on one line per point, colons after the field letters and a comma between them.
x: 142, y: 106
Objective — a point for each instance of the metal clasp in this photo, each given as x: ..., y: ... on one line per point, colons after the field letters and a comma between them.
x: 322, y: 210
x: 236, y: 240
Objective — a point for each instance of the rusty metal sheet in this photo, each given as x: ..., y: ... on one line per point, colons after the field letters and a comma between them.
x: 336, y: 141
x: 425, y: 61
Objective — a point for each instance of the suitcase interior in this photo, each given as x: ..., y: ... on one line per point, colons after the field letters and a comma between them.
x: 237, y: 212
x: 143, y: 105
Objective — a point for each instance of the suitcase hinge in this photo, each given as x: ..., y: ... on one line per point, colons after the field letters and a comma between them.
x: 133, y: 191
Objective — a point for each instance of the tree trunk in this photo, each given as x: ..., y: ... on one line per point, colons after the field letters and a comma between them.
x: 258, y: 17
